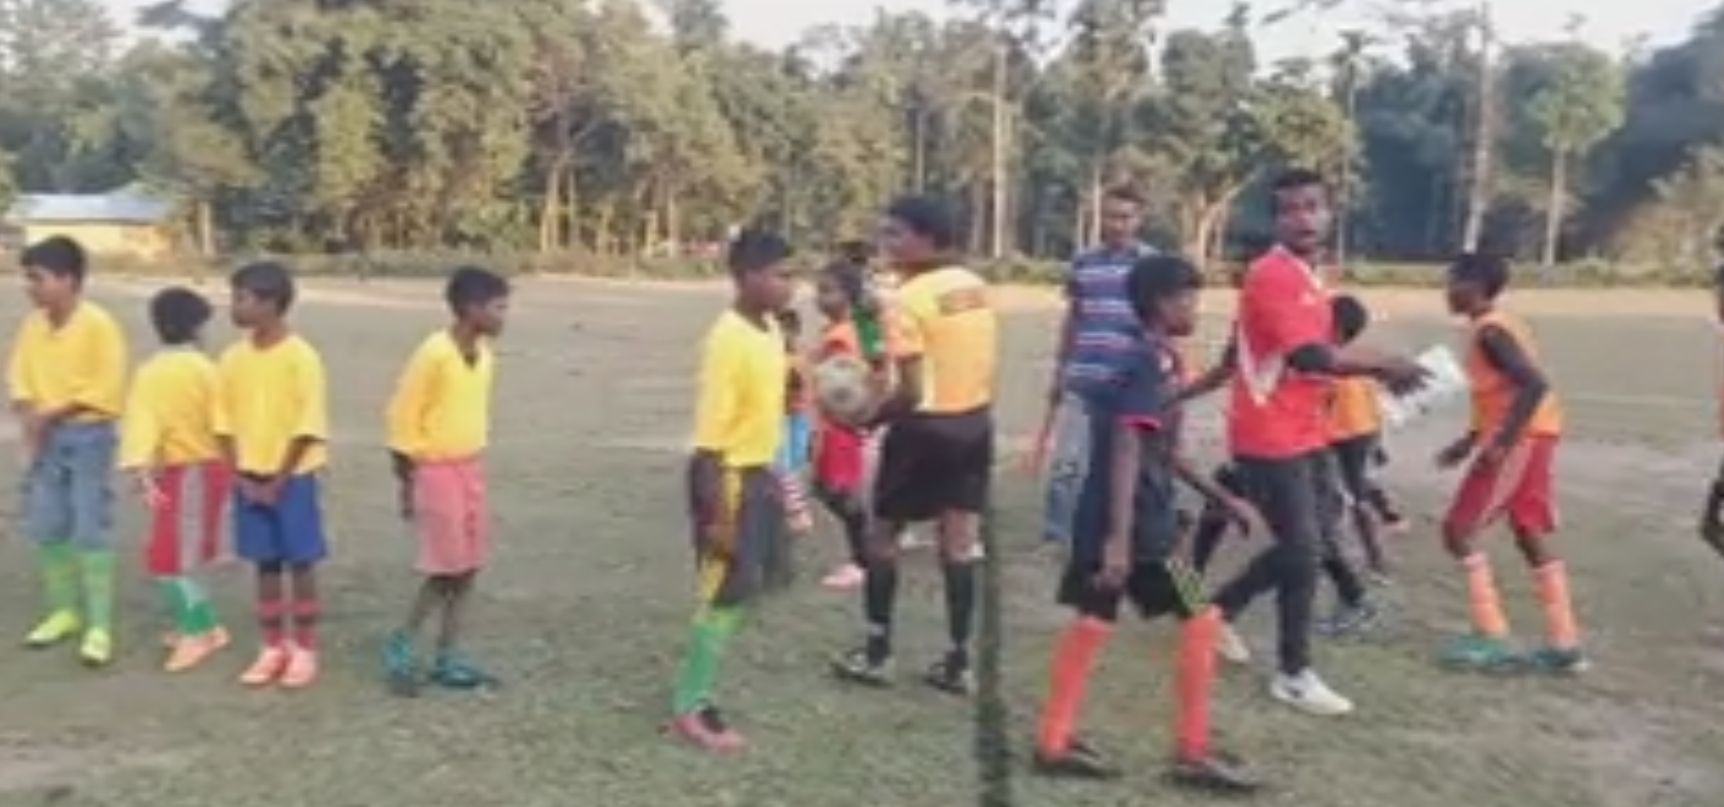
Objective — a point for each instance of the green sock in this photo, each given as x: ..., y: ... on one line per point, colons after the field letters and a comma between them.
x: 711, y: 628
x: 59, y: 566
x: 98, y: 568
x: 200, y: 616
x: 174, y: 597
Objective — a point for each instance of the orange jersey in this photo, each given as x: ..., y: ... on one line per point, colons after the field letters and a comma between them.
x: 1353, y: 409
x: 1493, y: 392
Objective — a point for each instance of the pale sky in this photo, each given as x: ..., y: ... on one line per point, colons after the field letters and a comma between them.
x: 1610, y: 23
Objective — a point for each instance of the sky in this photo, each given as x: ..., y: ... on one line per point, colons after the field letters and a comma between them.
x: 1609, y: 23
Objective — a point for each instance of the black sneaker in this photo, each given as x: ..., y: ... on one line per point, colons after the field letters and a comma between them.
x: 950, y: 675
x: 1079, y: 761
x: 1217, y: 772
x: 855, y: 666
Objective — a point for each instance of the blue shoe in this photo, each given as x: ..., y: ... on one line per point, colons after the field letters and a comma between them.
x: 451, y: 670
x: 401, y: 665
x: 1559, y: 661
x: 1484, y: 653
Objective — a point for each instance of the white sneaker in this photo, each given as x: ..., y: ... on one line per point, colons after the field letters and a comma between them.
x: 1231, y: 646
x: 1307, y: 693
x: 909, y: 539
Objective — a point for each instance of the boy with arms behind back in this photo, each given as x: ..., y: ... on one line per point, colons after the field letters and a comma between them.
x: 1516, y: 423
x: 169, y: 447
x: 439, y: 422
x: 1125, y: 533
x: 67, y: 376
x: 273, y: 421
x: 735, y: 499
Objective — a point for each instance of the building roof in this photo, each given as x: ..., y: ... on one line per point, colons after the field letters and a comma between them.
x: 129, y: 205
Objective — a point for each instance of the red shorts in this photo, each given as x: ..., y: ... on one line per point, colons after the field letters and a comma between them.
x: 838, y: 459
x: 449, y: 515
x: 1520, y: 488
x: 185, y: 532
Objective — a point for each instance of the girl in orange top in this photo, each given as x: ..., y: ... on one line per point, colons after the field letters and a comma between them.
x: 840, y: 448
x: 1511, y: 445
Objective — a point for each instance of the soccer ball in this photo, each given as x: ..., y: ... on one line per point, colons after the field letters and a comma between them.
x: 843, y: 385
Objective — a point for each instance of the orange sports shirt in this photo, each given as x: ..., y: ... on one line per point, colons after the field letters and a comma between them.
x: 1493, y: 392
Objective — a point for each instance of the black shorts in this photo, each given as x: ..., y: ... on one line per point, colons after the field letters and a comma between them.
x: 750, y: 552
x: 931, y: 464
x: 1155, y: 589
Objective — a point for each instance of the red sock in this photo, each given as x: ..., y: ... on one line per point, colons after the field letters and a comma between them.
x: 1193, y: 682
x: 305, y: 613
x: 271, y: 617
x: 1074, y: 657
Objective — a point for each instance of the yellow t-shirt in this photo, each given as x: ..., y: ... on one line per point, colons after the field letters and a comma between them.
x: 442, y: 404
x: 170, y: 414
x: 269, y: 398
x: 740, y: 408
x: 82, y: 362
x: 946, y: 318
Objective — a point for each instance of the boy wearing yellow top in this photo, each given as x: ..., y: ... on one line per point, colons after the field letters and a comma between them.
x: 734, y: 496
x: 272, y: 419
x: 67, y: 376
x: 439, y: 422
x: 168, y: 446
x: 936, y: 460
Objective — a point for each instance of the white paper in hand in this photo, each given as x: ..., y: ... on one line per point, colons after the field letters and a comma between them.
x: 1447, y: 384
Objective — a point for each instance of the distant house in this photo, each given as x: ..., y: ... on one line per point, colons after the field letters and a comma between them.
x: 129, y: 222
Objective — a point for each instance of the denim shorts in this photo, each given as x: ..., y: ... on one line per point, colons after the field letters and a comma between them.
x: 69, y: 490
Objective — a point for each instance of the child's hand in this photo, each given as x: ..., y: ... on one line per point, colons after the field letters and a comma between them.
x: 1455, y: 454
x: 145, y: 487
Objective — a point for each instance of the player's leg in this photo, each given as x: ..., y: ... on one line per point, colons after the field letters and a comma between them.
x: 176, y: 535
x: 728, y: 577
x: 1712, y: 513
x: 1213, y: 521
x: 1478, y: 502
x: 1060, y: 749
x: 299, y: 517
x: 1353, y: 461
x: 1531, y: 511
x: 89, y: 461
x: 257, y: 540
x: 435, y: 525
x: 1354, y: 611
x: 904, y: 476
x: 48, y: 523
x: 466, y: 550
x: 1173, y: 587
x: 845, y: 507
x: 966, y: 442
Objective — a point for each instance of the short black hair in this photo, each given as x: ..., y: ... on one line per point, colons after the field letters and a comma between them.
x: 269, y: 281
x: 1350, y: 315
x: 471, y: 285
x: 929, y: 218
x: 1125, y: 193
x: 59, y: 256
x: 1489, y: 272
x: 1155, y: 278
x: 1291, y: 179
x: 179, y: 314
x: 753, y: 250
x: 857, y: 252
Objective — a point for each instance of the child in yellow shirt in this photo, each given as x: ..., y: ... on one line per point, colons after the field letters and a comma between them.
x: 67, y: 376
x: 168, y: 446
x: 439, y: 422
x: 273, y: 422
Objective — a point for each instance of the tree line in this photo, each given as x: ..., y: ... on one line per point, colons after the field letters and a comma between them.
x: 618, y: 128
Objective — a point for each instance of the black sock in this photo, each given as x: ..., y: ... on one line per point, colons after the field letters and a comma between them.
x: 960, y: 606
x: 848, y: 511
x: 879, y: 595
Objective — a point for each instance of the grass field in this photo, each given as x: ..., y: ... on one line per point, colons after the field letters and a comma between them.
x: 586, y: 605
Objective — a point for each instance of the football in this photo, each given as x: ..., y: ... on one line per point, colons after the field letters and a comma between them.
x: 843, y: 385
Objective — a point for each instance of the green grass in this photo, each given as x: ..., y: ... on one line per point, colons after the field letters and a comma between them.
x: 587, y: 602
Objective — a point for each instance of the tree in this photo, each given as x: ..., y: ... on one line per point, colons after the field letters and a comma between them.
x: 1578, y: 105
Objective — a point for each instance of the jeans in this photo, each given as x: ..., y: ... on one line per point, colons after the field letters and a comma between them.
x: 1068, y: 466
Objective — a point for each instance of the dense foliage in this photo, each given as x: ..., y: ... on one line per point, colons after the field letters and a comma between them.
x: 618, y: 128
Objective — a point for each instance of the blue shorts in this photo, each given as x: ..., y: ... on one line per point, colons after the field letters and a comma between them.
x: 793, y: 453
x: 289, y: 531
x: 69, y: 490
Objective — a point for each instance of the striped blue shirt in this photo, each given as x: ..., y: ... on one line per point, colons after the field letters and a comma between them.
x: 1103, y: 324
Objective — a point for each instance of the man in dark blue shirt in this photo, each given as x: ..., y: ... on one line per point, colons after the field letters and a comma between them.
x: 1125, y: 539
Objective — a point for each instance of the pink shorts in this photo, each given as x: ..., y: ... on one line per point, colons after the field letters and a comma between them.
x: 450, y: 516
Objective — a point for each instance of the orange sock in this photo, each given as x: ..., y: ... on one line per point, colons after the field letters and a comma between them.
x: 1193, y: 681
x: 1552, y: 580
x: 1486, y: 606
x: 1074, y: 657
